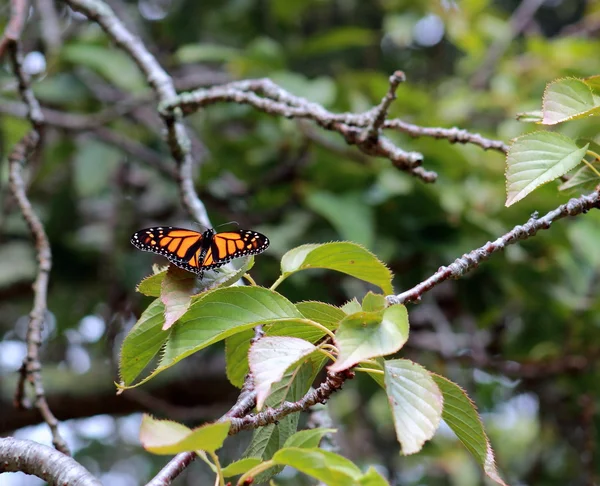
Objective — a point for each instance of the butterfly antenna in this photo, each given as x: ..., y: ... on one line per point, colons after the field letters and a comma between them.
x: 230, y: 222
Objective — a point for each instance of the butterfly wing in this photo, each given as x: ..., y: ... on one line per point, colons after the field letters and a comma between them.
x: 181, y: 246
x: 196, y: 252
x: 228, y: 245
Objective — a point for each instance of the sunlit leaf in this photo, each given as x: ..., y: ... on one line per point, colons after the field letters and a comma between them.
x: 416, y: 402
x: 270, y: 357
x: 372, y: 478
x: 367, y: 335
x: 177, y: 289
x: 152, y: 285
x: 537, y: 158
x: 167, y: 437
x: 344, y: 257
x: 373, y: 302
x: 568, y: 99
x: 240, y: 467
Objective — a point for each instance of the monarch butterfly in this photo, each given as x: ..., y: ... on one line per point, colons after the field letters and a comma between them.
x: 196, y: 252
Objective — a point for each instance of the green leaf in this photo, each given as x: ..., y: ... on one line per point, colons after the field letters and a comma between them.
x: 220, y: 313
x: 177, y: 289
x: 568, y: 99
x: 593, y: 82
x: 194, y: 53
x: 240, y: 467
x: 416, y: 403
x: 308, y: 438
x: 336, y: 209
x: 372, y: 478
x: 537, y: 158
x: 238, y: 345
x: 236, y: 357
x: 461, y: 416
x: 110, y: 62
x: 352, y: 307
x: 152, y: 285
x: 373, y: 302
x: 167, y: 437
x: 325, y: 314
x: 367, y: 335
x: 325, y: 466
x: 583, y: 179
x: 345, y: 257
x: 143, y: 342
x: 377, y: 364
x: 270, y: 357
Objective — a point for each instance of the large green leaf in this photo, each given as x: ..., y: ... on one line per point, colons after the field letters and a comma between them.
x: 568, y: 99
x: 219, y: 314
x: 461, y: 416
x: 236, y: 356
x: 143, y: 342
x: 416, y: 402
x: 167, y: 437
x: 537, y: 158
x: 344, y: 257
x: 270, y: 357
x: 367, y: 335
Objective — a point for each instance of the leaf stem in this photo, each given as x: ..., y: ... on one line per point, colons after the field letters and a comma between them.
x: 281, y: 278
x: 591, y: 167
x: 321, y: 327
x: 220, y: 479
x: 250, y: 279
x: 254, y: 472
x: 370, y: 370
x: 329, y: 355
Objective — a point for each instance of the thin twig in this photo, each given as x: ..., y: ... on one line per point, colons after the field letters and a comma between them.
x: 321, y: 394
x: 44, y: 462
x: 162, y: 84
x: 31, y: 369
x: 371, y: 133
x: 472, y: 259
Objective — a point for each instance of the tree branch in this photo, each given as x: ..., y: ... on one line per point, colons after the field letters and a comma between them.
x: 31, y: 368
x: 44, y: 462
x: 162, y: 84
x: 472, y: 259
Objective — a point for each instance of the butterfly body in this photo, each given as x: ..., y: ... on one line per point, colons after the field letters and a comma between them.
x: 196, y: 252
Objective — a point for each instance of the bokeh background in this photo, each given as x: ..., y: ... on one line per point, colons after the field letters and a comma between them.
x: 521, y: 333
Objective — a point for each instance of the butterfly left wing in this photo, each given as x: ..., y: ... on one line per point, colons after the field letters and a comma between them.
x: 179, y: 245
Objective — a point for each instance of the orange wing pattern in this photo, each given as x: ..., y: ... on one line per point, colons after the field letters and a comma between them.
x: 196, y: 252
